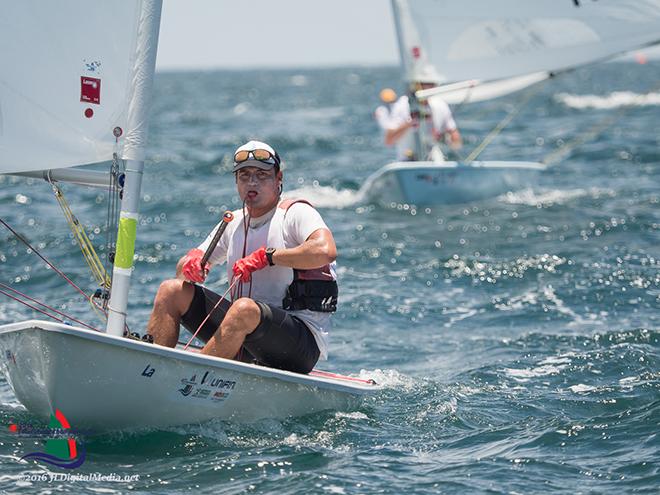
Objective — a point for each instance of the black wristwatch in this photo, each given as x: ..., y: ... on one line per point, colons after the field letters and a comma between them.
x: 269, y: 256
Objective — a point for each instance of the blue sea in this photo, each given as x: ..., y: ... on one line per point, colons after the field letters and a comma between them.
x: 517, y: 338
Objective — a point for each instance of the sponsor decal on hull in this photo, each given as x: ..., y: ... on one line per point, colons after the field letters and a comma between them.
x: 206, y: 386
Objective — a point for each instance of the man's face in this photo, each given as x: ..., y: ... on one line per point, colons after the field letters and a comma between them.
x: 258, y: 188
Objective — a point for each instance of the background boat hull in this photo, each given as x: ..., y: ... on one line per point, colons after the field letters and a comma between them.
x: 428, y: 183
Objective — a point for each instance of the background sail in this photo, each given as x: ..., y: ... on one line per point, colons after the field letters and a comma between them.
x: 66, y: 81
x: 485, y: 40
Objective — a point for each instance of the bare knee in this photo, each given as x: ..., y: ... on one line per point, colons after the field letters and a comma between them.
x: 243, y: 316
x: 175, y: 294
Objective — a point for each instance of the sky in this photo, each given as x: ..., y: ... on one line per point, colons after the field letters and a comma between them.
x: 208, y: 34
x: 198, y: 34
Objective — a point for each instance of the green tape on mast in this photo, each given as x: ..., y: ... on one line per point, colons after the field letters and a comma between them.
x: 126, y: 242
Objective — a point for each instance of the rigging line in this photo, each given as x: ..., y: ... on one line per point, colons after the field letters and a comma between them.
x: 57, y: 270
x: 592, y: 133
x: 112, y: 215
x: 246, y: 228
x: 30, y: 306
x: 4, y: 286
x: 86, y: 246
x: 99, y: 310
x: 234, y: 280
x: 503, y: 123
x: 589, y: 135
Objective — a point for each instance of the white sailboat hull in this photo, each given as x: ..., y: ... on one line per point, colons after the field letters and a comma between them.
x: 101, y: 382
x: 430, y: 183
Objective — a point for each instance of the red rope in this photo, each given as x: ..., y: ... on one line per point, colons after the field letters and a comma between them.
x: 30, y: 306
x: 234, y: 280
x: 59, y: 272
x: 42, y: 305
x: 246, y: 228
x: 235, y: 289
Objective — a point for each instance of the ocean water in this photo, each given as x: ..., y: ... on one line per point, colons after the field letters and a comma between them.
x: 517, y: 338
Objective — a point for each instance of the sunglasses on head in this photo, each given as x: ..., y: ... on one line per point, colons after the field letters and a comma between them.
x: 261, y: 155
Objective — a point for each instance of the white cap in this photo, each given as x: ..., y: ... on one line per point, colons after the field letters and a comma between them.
x: 251, y: 162
x: 426, y: 74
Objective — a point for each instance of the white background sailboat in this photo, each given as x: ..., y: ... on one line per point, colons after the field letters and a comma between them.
x: 476, y: 51
x: 75, y: 90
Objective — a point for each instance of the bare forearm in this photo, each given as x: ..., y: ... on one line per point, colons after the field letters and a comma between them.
x: 393, y: 135
x: 318, y: 250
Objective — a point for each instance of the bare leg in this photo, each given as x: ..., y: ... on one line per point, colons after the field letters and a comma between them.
x: 172, y: 301
x: 241, y: 319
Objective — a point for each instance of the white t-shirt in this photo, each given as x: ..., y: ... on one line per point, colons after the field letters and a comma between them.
x: 443, y: 120
x: 393, y: 116
x: 278, y: 228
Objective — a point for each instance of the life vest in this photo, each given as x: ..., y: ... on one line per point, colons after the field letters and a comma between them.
x: 314, y: 289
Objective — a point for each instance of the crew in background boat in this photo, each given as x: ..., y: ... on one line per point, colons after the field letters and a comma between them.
x: 399, y: 125
x: 394, y: 119
x: 280, y: 258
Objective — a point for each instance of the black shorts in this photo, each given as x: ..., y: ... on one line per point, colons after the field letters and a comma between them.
x: 280, y: 340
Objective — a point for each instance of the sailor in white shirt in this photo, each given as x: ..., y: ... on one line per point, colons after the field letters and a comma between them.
x: 395, y: 118
x: 280, y: 259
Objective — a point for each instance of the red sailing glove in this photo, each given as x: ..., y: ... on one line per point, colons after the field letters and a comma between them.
x: 192, y: 267
x: 244, y: 267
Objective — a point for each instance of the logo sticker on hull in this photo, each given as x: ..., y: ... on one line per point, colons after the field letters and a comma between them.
x: 206, y: 386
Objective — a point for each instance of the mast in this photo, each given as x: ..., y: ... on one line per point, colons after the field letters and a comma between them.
x: 134, y: 153
x: 407, y: 71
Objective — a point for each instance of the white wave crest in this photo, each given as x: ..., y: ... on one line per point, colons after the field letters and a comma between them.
x: 581, y: 388
x: 388, y: 378
x: 554, y: 196
x: 525, y: 374
x: 326, y: 196
x: 616, y: 99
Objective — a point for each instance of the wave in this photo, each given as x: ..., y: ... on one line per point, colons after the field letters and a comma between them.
x: 615, y: 99
x: 326, y: 196
x: 554, y: 196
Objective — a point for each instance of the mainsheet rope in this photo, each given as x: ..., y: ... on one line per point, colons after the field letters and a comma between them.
x: 231, y: 286
x: 235, y: 289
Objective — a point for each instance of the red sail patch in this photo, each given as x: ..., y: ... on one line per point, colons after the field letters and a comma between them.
x: 90, y: 89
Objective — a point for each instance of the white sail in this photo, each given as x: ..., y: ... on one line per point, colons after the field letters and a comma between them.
x: 485, y: 40
x: 67, y: 79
